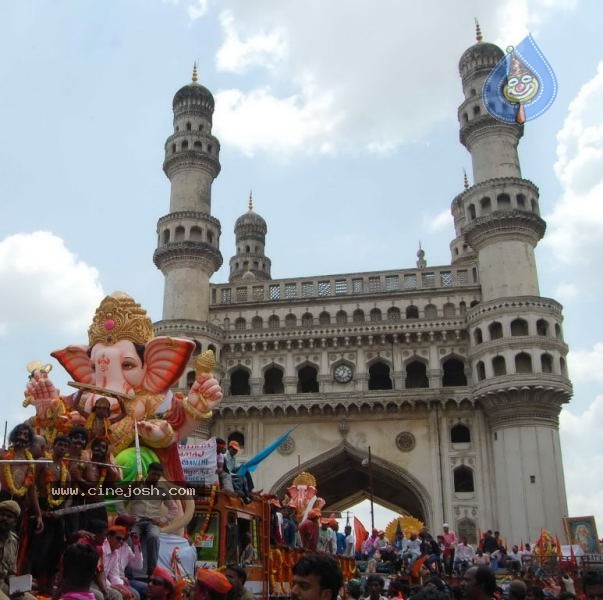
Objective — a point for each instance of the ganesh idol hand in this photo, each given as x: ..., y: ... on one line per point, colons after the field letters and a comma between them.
x: 205, y: 393
x: 40, y: 389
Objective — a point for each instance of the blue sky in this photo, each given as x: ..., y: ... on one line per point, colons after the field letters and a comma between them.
x: 340, y: 116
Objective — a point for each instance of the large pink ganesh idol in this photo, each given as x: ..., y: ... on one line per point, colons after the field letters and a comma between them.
x: 125, y: 357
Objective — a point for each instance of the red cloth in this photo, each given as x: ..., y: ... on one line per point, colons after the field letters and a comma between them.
x: 308, y: 532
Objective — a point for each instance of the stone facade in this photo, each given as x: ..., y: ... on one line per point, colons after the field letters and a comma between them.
x: 454, y: 375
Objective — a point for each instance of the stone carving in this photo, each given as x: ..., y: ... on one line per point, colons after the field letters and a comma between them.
x: 405, y: 441
x: 287, y: 447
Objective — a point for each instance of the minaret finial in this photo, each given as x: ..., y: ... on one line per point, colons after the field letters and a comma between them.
x: 478, y: 32
x: 421, y: 263
x: 250, y: 200
x: 195, y: 77
x: 465, y: 180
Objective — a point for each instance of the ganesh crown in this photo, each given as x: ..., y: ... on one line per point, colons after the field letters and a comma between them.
x: 117, y: 318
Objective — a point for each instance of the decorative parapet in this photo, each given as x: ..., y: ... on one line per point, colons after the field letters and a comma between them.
x: 504, y: 224
x: 385, y: 283
x: 492, y: 308
x: 187, y: 328
x: 187, y: 254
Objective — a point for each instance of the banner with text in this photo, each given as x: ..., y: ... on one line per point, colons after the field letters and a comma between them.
x: 199, y: 462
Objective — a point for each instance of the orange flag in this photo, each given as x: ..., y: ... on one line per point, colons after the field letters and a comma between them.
x: 416, y: 568
x: 558, y: 544
x: 360, y: 533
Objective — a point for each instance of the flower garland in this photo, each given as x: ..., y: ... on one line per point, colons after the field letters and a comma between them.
x: 62, y: 480
x: 28, y: 480
x: 212, y: 501
x: 90, y: 425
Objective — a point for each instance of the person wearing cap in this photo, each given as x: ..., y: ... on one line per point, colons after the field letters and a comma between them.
x: 237, y: 577
x: 211, y: 585
x: 117, y: 555
x: 450, y: 542
x: 309, y: 530
x: 231, y: 465
x: 9, y: 543
x: 161, y: 585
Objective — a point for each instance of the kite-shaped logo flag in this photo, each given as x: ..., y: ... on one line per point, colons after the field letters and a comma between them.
x: 521, y: 86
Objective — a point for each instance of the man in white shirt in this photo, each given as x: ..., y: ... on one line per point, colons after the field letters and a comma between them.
x: 117, y: 555
x: 463, y: 556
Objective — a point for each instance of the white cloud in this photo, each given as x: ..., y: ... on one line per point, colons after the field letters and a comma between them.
x: 197, y: 9
x: 576, y: 224
x: 586, y: 365
x: 46, y: 286
x: 583, y: 459
x: 262, y: 49
x: 566, y: 292
x: 439, y: 222
x: 386, y: 87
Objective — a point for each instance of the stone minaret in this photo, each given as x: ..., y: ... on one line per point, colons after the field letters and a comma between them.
x: 516, y: 348
x: 188, y: 237
x: 250, y: 260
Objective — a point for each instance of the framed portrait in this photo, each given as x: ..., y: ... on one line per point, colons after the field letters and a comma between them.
x: 582, y: 531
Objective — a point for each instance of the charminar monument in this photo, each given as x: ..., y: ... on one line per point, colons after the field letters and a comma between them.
x: 452, y: 375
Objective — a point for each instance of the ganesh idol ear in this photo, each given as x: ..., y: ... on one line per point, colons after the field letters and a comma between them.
x: 76, y: 362
x: 165, y: 359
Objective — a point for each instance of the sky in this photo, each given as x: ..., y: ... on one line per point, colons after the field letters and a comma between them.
x: 340, y: 116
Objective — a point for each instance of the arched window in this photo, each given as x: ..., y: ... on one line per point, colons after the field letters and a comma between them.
x: 499, y: 366
x: 476, y: 110
x: 226, y: 323
x: 542, y: 327
x: 563, y: 367
x: 375, y: 314
x: 416, y: 375
x: 471, y: 208
x: 240, y: 323
x: 307, y: 320
x: 173, y: 148
x: 197, y: 145
x: 239, y: 383
x: 412, y: 312
x: 379, y: 378
x: 486, y: 205
x: 481, y: 371
x: 521, y: 201
x: 431, y: 312
x: 523, y: 363
x: 290, y: 320
x: 341, y: 317
x: 307, y: 380
x: 196, y: 234
x: 534, y: 205
x: 460, y: 434
x: 503, y: 202
x: 247, y: 249
x: 358, y: 316
x: 179, y: 234
x: 546, y: 361
x: 273, y: 381
x: 184, y: 145
x: 324, y: 318
x: 393, y: 314
x: 166, y: 236
x: 463, y: 480
x: 519, y: 327
x: 256, y: 322
x: 558, y: 333
x: 454, y: 373
x: 274, y: 322
x: 188, y: 127
x: 495, y: 330
x: 478, y: 338
x: 449, y: 310
x: 462, y: 308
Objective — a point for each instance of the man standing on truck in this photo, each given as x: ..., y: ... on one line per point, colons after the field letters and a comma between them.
x: 309, y: 531
x: 316, y: 577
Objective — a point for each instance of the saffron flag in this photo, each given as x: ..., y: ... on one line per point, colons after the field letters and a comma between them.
x: 360, y: 533
x: 251, y: 465
x: 522, y: 86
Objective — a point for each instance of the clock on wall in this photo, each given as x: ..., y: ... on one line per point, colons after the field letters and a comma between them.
x: 343, y: 374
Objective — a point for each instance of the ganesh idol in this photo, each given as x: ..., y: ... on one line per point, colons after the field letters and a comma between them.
x: 125, y: 363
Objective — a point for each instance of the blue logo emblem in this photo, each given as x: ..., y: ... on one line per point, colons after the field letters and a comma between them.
x: 522, y: 86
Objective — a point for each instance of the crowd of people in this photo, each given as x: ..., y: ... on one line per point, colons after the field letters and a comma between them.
x: 50, y: 498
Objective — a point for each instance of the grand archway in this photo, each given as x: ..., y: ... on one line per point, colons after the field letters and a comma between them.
x: 343, y: 481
